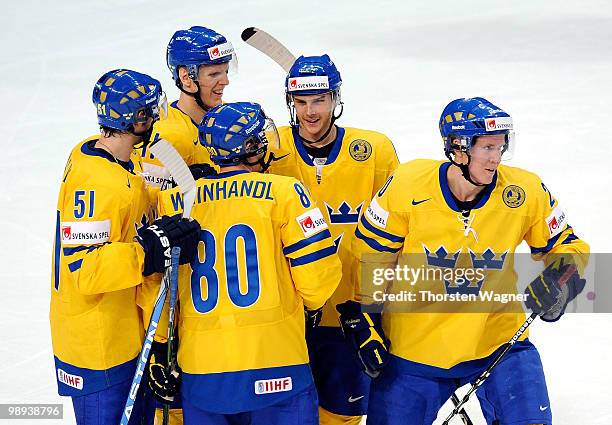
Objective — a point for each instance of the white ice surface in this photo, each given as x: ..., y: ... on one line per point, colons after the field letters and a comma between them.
x: 549, y: 63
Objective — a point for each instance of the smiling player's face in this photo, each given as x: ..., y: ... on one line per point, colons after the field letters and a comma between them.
x: 212, y: 80
x: 314, y: 113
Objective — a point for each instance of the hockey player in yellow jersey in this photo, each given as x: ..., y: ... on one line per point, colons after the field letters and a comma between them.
x: 472, y: 211
x: 342, y: 168
x: 199, y: 59
x: 103, y: 248
x: 266, y: 252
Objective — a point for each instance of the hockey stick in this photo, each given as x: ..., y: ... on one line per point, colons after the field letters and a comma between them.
x: 176, y: 253
x: 269, y: 46
x: 462, y: 413
x: 181, y: 174
x: 145, y: 351
x: 484, y: 375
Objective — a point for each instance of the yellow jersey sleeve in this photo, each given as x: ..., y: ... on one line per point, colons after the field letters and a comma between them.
x: 386, y: 162
x: 550, y: 234
x: 384, y: 224
x: 93, y: 240
x: 310, y: 249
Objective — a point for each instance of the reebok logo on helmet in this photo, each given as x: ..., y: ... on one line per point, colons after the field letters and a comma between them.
x: 251, y: 128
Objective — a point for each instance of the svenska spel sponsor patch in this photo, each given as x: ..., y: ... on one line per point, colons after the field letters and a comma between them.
x: 269, y: 386
x: 85, y: 232
x: 377, y: 214
x: 220, y: 51
x: 556, y: 221
x: 74, y: 381
x: 311, y: 222
x: 317, y: 82
x: 498, y: 123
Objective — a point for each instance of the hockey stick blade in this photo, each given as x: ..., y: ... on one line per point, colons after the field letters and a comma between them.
x: 175, y: 164
x: 269, y: 46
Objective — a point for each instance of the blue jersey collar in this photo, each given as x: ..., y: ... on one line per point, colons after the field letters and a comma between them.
x: 332, y: 155
x: 88, y: 148
x: 448, y: 196
x: 227, y: 174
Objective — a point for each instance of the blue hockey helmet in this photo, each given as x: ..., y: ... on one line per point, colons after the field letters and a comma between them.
x: 312, y: 75
x: 197, y: 46
x: 234, y: 132
x: 465, y: 119
x: 123, y: 97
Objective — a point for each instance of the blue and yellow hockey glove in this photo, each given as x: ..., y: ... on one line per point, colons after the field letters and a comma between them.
x: 163, y: 383
x: 365, y: 333
x: 549, y: 293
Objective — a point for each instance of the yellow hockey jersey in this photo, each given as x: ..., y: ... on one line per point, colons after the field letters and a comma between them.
x: 96, y: 326
x: 358, y: 165
x: 266, y: 252
x: 415, y: 214
x: 182, y: 133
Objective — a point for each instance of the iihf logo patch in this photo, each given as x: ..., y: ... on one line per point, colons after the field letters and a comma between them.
x: 275, y: 385
x: 360, y: 149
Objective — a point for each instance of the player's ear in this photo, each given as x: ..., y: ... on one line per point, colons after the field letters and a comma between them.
x: 184, y: 77
x: 460, y: 156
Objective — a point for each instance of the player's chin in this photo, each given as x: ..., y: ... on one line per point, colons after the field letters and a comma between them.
x: 312, y: 128
x: 486, y: 176
x: 213, y: 100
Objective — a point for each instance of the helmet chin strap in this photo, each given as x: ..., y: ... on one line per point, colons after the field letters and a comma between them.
x: 465, y: 172
x: 195, y: 95
x: 145, y: 136
x: 465, y: 169
x: 262, y: 162
x: 331, y: 125
x: 312, y: 142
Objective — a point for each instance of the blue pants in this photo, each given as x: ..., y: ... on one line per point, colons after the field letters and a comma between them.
x: 301, y: 409
x: 106, y: 406
x: 342, y: 385
x: 514, y: 394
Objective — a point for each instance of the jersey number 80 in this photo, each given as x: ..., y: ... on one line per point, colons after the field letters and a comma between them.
x: 207, y: 270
